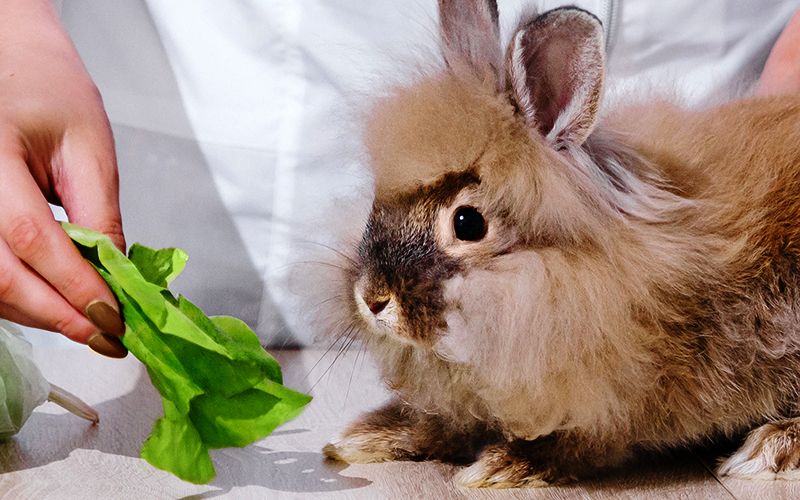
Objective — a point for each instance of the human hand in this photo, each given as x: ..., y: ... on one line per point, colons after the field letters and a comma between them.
x: 781, y: 73
x: 56, y: 145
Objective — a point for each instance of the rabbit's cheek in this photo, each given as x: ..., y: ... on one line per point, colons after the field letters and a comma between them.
x: 453, y: 344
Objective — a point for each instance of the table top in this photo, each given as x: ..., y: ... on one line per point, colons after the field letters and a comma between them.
x: 57, y: 455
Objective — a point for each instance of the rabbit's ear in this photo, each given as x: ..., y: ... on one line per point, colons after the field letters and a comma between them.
x: 471, y: 37
x: 555, y: 66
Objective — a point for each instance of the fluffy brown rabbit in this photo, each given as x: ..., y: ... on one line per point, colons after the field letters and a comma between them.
x: 549, y: 289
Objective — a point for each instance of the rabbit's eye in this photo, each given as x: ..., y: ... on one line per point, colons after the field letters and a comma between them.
x: 469, y: 224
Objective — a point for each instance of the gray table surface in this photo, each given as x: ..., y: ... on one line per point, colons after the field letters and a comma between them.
x: 57, y: 455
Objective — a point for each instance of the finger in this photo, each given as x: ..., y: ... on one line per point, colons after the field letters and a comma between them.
x: 30, y: 232
x: 100, y: 343
x: 781, y: 73
x: 15, y: 315
x: 37, y: 305
x: 87, y: 181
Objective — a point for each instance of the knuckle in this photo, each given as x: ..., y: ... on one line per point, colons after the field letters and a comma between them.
x: 10, y: 142
x: 96, y: 111
x: 85, y: 89
x: 113, y: 229
x: 71, y: 283
x: 93, y: 91
x: 7, y: 283
x: 25, y: 237
x: 69, y: 325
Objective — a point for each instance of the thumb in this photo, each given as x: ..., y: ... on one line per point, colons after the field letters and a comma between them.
x: 87, y: 182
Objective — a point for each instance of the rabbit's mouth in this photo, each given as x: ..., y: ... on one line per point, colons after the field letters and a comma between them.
x: 378, y: 309
x: 387, y: 314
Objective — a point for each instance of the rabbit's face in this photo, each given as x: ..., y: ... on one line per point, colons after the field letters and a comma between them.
x: 399, y: 289
x: 447, y: 220
x: 413, y: 246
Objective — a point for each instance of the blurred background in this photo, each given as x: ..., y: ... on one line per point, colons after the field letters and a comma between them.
x: 237, y: 122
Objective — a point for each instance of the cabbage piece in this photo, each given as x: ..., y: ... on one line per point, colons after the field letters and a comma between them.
x: 218, y: 385
x: 22, y: 386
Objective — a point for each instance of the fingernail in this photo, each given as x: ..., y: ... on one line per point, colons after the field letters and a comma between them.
x: 107, y: 345
x: 105, y: 317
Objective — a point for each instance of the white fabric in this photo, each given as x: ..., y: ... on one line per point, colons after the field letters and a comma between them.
x: 242, y: 113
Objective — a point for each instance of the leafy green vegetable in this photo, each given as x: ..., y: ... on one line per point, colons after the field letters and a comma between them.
x: 219, y: 387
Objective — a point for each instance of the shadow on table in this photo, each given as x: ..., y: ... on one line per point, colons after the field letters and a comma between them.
x: 649, y: 475
x: 290, y: 471
x: 126, y: 422
x: 680, y: 472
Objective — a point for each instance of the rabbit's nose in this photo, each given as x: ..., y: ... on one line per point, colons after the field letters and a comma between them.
x: 377, y: 305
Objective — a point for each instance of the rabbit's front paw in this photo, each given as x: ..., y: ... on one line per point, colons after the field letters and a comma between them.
x: 771, y: 451
x: 398, y: 432
x: 382, y: 435
x: 507, y: 466
x: 359, y: 448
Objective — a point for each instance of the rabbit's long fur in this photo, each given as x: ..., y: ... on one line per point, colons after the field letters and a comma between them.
x: 637, y: 287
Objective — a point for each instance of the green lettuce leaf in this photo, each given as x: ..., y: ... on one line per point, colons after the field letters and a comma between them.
x: 219, y: 387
